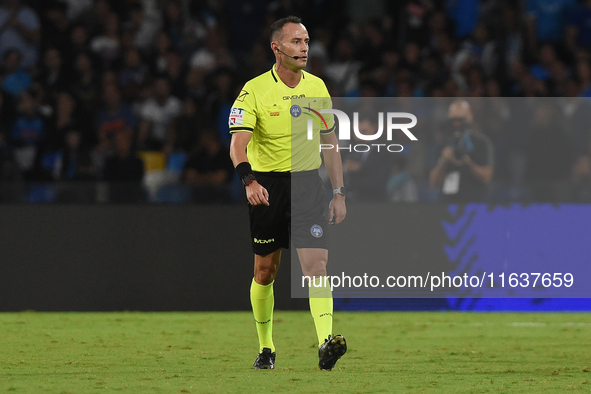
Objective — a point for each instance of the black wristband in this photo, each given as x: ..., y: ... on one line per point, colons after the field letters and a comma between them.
x: 243, y: 169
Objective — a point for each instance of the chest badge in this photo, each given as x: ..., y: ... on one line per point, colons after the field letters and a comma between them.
x: 295, y: 111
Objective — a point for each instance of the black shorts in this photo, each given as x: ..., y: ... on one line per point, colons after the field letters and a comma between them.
x: 297, y: 208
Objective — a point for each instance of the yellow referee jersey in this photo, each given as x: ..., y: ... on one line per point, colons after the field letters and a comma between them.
x: 277, y: 116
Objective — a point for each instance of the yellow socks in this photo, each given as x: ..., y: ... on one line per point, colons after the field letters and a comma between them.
x: 263, y: 301
x: 321, y: 308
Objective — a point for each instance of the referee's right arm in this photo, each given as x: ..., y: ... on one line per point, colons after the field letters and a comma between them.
x: 255, y: 192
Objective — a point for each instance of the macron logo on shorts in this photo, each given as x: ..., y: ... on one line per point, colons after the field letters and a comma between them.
x: 236, y: 116
x: 263, y: 241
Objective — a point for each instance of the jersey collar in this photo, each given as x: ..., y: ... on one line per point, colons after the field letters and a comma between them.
x: 276, y: 77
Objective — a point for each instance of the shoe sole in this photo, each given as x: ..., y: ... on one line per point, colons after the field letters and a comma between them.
x: 265, y: 367
x: 336, y: 351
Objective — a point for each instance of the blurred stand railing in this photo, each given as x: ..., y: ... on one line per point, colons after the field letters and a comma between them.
x: 137, y: 193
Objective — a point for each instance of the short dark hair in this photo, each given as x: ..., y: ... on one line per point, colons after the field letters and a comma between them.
x: 277, y: 26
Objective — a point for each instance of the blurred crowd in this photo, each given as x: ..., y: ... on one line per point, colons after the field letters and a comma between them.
x: 87, y: 84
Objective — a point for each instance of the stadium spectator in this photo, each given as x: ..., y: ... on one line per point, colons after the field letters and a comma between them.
x: 79, y: 40
x: 180, y: 27
x: 195, y: 85
x: 411, y: 57
x: 214, y: 54
x: 373, y: 45
x: 75, y: 162
x: 577, y: 117
x: 162, y: 48
x: 465, y: 14
x: 546, y: 21
x: 416, y: 23
x: 115, y: 117
x: 9, y: 170
x: 546, y: 139
x: 96, y: 17
x: 546, y: 62
x: 366, y: 173
x: 68, y: 117
x: 243, y: 20
x: 85, y: 82
x: 188, y: 126
x: 158, y: 115
x: 512, y: 40
x: 580, y: 188
x: 133, y: 74
x: 400, y: 186
x: 219, y: 101
x: 479, y: 51
x: 343, y: 71
x: 15, y: 79
x: 54, y: 77
x: 56, y: 27
x: 77, y: 8
x: 124, y: 171
x: 175, y: 74
x: 20, y: 29
x: 108, y: 45
x: 123, y: 165
x: 143, y: 24
x: 578, y: 30
x: 28, y: 135
x: 210, y: 163
x: 583, y: 71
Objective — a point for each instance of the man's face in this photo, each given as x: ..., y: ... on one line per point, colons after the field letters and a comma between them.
x: 460, y: 110
x: 293, y: 41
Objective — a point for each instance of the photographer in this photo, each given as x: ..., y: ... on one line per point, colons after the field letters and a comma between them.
x: 465, y: 166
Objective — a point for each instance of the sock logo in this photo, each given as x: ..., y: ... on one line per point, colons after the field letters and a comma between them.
x: 325, y: 314
x: 263, y: 322
x: 263, y: 241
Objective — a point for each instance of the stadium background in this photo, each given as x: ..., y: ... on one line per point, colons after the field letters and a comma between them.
x: 111, y: 108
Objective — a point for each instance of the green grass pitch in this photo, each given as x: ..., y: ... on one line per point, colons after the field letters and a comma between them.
x: 389, y: 352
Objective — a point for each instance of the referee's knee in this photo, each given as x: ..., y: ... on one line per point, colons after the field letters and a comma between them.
x: 317, y: 270
x: 265, y: 275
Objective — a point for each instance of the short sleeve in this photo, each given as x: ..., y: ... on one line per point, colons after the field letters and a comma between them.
x: 329, y: 118
x: 243, y: 115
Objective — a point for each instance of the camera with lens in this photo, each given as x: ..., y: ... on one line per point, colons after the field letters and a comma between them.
x: 458, y: 134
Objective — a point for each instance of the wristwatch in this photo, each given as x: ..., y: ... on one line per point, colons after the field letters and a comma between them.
x: 248, y: 179
x: 341, y: 190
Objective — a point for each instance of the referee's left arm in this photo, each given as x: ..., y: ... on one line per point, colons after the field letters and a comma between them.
x: 255, y: 192
x: 334, y: 166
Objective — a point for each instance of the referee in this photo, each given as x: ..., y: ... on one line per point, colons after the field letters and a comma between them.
x: 284, y: 191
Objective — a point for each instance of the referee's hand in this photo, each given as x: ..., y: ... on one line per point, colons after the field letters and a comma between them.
x: 256, y: 194
x: 337, y: 209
